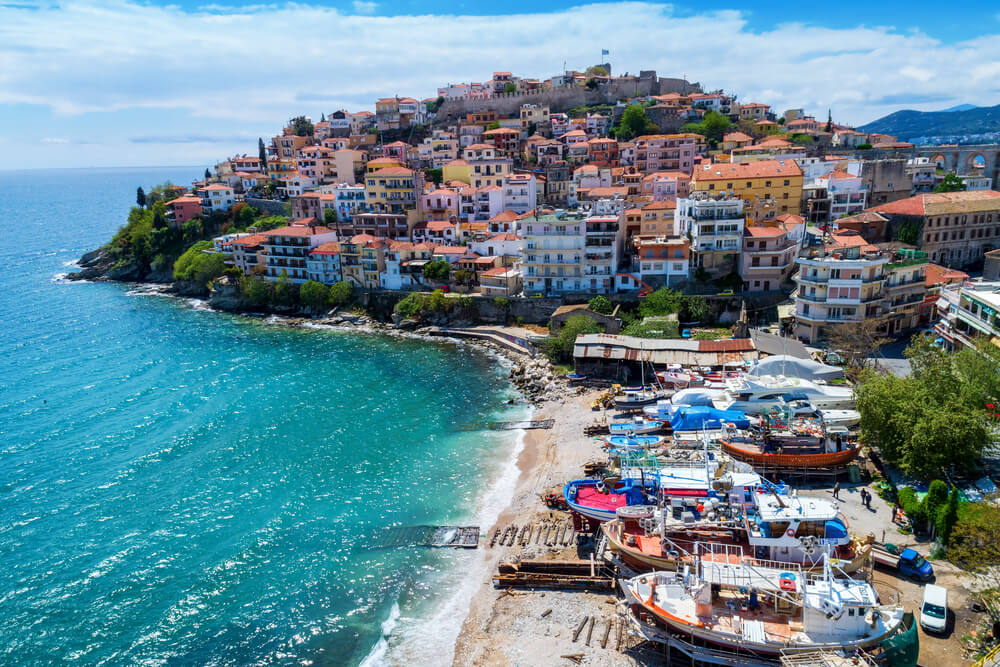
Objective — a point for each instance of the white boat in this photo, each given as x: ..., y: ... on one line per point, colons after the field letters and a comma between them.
x: 762, y: 394
x: 635, y: 399
x: 638, y: 425
x: 843, y: 418
x: 768, y: 608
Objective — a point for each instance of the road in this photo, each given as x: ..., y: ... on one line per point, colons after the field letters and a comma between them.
x: 890, y: 357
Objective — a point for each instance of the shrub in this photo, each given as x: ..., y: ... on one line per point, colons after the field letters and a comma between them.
x: 439, y: 269
x: 501, y: 302
x: 411, y: 305
x: 601, y: 304
x: 663, y: 301
x: 198, y: 266
x: 286, y: 293
x: 341, y: 293
x: 256, y: 292
x: 560, y: 347
x: 314, y: 295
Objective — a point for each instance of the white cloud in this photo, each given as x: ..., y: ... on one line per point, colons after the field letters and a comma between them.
x: 262, y: 64
x: 361, y: 7
x: 54, y: 140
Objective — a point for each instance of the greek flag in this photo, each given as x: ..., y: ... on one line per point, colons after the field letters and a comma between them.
x: 605, y: 52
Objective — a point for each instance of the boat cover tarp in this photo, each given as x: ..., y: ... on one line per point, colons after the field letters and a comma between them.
x: 694, y: 417
x: 695, y: 396
x: 793, y: 367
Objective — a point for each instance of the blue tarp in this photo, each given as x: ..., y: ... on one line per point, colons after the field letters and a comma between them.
x: 693, y: 417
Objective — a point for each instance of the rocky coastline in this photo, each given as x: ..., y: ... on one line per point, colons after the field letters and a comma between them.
x: 535, y: 378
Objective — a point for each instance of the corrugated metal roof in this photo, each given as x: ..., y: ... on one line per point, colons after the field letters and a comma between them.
x: 664, y: 350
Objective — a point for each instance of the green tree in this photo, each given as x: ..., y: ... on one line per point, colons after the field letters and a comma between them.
x: 829, y: 121
x: 695, y: 309
x: 653, y: 327
x: 591, y: 84
x: 159, y: 215
x: 944, y: 437
x: 286, y: 293
x: 262, y: 153
x: 301, y: 126
x: 436, y: 175
x: 140, y: 197
x: 314, y: 295
x: 256, y: 293
x: 951, y: 183
x: 208, y: 174
x: 330, y: 218
x: 560, y: 347
x: 192, y: 230
x: 601, y: 304
x: 947, y: 517
x: 596, y: 70
x: 341, y: 293
x: 322, y: 117
x: 634, y: 123
x: 974, y: 542
x: 864, y: 146
x: 464, y: 277
x: 198, y: 266
x: 663, y: 301
x: 246, y: 216
x: 495, y: 125
x: 883, y: 404
x: 935, y: 500
x: 510, y: 88
x: 713, y: 127
x: 439, y: 269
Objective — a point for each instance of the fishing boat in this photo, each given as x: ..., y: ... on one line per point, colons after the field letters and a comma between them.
x: 637, y: 425
x: 633, y: 441
x: 636, y: 399
x: 599, y: 499
x: 797, y: 444
x: 757, y: 395
x: 766, y: 608
x: 575, y: 378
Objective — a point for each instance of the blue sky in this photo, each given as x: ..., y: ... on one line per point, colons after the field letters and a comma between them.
x: 85, y: 83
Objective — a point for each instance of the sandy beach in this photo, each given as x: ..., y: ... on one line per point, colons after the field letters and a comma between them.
x: 508, y: 629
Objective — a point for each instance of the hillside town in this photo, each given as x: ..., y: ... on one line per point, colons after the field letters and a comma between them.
x: 716, y: 285
x: 616, y: 194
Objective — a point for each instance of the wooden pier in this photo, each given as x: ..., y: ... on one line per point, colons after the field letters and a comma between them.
x: 509, y: 426
x: 460, y: 537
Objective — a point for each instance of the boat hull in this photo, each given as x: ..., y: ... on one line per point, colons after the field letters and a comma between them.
x: 775, y: 460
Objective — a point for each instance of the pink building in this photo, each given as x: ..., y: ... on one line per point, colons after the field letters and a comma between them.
x: 182, y: 209
x: 666, y: 152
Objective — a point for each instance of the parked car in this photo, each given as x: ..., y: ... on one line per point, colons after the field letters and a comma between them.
x: 909, y: 563
x: 727, y: 292
x: 686, y: 333
x: 934, y: 609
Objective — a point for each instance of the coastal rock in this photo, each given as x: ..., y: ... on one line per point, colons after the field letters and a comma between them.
x: 189, y: 288
x: 226, y: 298
x: 131, y: 272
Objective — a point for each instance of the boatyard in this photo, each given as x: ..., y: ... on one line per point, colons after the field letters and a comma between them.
x: 687, y: 522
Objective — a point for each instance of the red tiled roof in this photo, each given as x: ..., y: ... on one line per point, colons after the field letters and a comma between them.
x: 726, y: 345
x: 217, y: 186
x: 326, y: 249
x: 249, y: 241
x: 298, y: 230
x: 738, y: 170
x: 938, y: 275
x: 938, y: 203
x: 764, y: 231
x: 451, y: 249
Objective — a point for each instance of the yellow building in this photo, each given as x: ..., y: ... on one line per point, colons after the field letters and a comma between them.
x: 780, y: 180
x: 658, y: 218
x: 392, y: 190
x: 282, y: 169
x: 457, y: 170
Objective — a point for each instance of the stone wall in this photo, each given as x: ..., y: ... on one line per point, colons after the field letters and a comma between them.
x: 267, y: 206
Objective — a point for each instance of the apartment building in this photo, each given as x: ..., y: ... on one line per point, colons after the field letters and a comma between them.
x: 218, y: 197
x: 534, y: 114
x: 500, y: 281
x: 769, y: 252
x: 288, y: 249
x: 847, y: 193
x: 486, y: 166
x: 249, y: 253
x: 323, y: 263
x: 780, y: 180
x: 839, y: 281
x: 954, y: 228
x: 182, y: 209
x: 520, y: 193
x: 969, y: 313
x: 904, y: 290
x: 571, y: 252
x: 714, y: 224
x: 666, y: 152
x: 392, y: 190
x: 663, y: 260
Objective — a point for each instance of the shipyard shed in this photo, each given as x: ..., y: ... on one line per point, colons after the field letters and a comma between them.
x: 623, y: 357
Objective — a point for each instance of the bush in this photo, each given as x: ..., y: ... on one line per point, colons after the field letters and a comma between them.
x: 341, y: 293
x: 286, y: 293
x: 914, y: 509
x: 601, y: 304
x: 947, y: 517
x: 256, y: 292
x: 439, y: 269
x: 198, y: 266
x: 663, y: 301
x: 411, y: 305
x: 314, y: 295
x: 655, y: 327
x: 501, y: 302
x: 560, y: 347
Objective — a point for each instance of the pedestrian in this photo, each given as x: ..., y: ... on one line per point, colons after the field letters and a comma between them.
x: 836, y: 490
x: 864, y: 497
x: 868, y: 499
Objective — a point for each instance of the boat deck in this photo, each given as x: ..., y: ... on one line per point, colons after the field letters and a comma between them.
x: 731, y: 615
x: 589, y: 496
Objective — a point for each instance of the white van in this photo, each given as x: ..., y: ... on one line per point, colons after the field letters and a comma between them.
x: 934, y: 609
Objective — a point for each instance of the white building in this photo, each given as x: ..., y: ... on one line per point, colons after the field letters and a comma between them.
x: 288, y: 249
x: 323, y: 263
x: 520, y: 192
x: 848, y: 194
x: 218, y: 197
x: 498, y: 245
x: 715, y: 226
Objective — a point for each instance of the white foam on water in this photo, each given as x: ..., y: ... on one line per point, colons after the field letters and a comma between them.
x: 430, y: 639
x: 376, y: 657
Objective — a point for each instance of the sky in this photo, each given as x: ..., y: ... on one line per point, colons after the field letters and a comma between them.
x: 125, y: 83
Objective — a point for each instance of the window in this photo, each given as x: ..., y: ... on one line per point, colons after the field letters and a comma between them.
x: 749, y: 185
x: 767, y: 184
x: 711, y: 186
x: 787, y: 183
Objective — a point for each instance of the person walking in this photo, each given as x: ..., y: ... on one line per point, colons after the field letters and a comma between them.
x: 864, y: 498
x: 836, y: 490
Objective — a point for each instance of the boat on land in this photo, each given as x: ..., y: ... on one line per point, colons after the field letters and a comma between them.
x: 600, y: 499
x: 636, y: 426
x: 769, y: 608
x: 633, y: 441
x: 793, y: 444
x: 636, y: 399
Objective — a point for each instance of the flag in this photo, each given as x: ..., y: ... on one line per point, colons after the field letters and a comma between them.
x: 605, y: 52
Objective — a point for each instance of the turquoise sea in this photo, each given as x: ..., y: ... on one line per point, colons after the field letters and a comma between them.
x: 180, y: 486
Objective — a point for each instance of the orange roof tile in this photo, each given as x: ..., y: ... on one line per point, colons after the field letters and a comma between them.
x: 738, y: 170
x: 939, y: 275
x: 326, y: 249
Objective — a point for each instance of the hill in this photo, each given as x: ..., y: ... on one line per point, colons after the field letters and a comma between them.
x: 910, y: 124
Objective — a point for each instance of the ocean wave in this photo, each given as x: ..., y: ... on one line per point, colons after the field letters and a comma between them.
x: 376, y: 657
x: 149, y: 289
x: 430, y: 640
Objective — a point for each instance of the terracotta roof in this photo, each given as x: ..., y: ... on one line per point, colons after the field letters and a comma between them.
x: 764, y: 231
x: 385, y: 160
x: 185, y: 199
x: 505, y: 237
x: 298, y: 230
x: 481, y: 147
x: 393, y: 171
x: 739, y: 170
x: 497, y: 272
x: 736, y: 136
x: 938, y: 275
x: 326, y: 249
x: 451, y: 249
x: 943, y: 203
x: 362, y: 238
x: 865, y: 216
x: 665, y: 205
x: 249, y: 241
x: 773, y: 143
x: 214, y: 187
x: 439, y: 225
x: 726, y: 345
x: 505, y: 216
x: 850, y: 239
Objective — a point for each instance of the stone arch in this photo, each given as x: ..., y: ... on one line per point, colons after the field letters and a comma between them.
x: 939, y: 160
x: 975, y: 161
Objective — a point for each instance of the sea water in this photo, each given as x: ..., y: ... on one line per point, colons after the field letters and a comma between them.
x: 178, y: 485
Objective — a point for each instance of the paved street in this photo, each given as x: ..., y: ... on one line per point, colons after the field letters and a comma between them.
x: 890, y: 357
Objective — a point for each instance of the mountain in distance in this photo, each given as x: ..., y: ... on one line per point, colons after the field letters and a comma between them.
x: 909, y: 124
x: 961, y: 107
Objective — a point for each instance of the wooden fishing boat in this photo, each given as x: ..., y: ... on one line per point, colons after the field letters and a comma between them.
x: 752, y: 453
